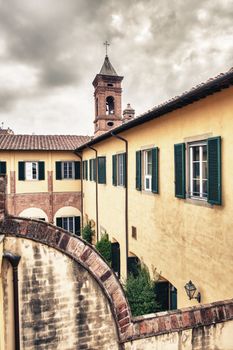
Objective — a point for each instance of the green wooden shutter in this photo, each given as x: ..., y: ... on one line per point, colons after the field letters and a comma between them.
x: 59, y: 222
x: 94, y: 169
x: 214, y: 170
x: 155, y: 170
x: 77, y: 225
x: 90, y: 169
x: 179, y: 153
x: 114, y: 170
x: 124, y: 169
x: 77, y: 171
x: 138, y: 171
x: 21, y: 169
x: 2, y: 168
x: 102, y: 170
x: 41, y: 170
x: 58, y: 171
x: 86, y: 169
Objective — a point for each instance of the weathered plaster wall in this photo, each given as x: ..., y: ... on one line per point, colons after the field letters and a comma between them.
x: 61, y: 305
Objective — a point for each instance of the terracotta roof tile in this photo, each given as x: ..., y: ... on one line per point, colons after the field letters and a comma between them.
x: 42, y: 142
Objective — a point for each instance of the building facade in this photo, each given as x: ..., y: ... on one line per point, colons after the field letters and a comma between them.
x: 160, y: 185
x: 43, y: 178
x: 163, y: 185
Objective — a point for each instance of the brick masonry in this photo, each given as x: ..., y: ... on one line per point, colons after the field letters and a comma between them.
x: 49, y: 203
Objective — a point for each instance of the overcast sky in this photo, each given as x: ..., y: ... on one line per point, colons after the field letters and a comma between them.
x: 51, y: 50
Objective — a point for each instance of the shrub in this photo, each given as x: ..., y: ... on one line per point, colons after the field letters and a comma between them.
x: 87, y: 232
x: 104, y: 247
x: 140, y: 291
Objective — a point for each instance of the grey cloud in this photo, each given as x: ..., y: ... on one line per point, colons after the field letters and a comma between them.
x: 63, y: 41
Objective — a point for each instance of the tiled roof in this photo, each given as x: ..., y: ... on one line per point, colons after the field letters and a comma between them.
x: 42, y: 142
x: 211, y: 86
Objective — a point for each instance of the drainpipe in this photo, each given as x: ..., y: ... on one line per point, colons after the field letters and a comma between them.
x: 14, y: 261
x: 81, y: 177
x: 96, y: 192
x: 126, y: 199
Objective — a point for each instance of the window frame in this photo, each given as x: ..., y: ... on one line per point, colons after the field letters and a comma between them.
x: 190, y: 147
x: 63, y: 170
x: 146, y: 175
x: 31, y: 170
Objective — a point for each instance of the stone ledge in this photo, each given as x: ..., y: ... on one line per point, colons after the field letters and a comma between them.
x: 178, y: 320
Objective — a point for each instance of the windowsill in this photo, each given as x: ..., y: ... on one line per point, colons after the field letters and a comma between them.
x: 200, y: 202
x: 150, y: 193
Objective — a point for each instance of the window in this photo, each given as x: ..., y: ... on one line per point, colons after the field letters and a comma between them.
x: 31, y: 170
x: 69, y: 223
x: 92, y: 169
x: 147, y: 170
x: 67, y: 170
x: 203, y: 173
x: 2, y: 168
x: 119, y: 169
x: 198, y: 170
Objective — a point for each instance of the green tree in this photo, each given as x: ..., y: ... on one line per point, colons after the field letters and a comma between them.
x: 140, y: 292
x: 104, y: 247
x: 87, y: 232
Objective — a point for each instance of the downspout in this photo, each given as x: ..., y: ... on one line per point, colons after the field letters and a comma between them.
x: 81, y: 177
x: 14, y: 261
x: 96, y: 192
x: 126, y: 199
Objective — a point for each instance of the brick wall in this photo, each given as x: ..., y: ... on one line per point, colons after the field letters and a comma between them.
x: 48, y: 202
x: 61, y: 304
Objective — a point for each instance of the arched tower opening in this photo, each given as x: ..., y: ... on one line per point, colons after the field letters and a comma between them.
x: 110, y: 109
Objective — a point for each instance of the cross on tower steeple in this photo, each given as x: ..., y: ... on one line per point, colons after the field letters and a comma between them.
x: 106, y: 44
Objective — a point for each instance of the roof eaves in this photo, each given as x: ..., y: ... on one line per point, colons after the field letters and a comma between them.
x: 202, y: 90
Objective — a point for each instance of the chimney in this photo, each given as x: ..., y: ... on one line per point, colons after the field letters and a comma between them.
x: 128, y: 113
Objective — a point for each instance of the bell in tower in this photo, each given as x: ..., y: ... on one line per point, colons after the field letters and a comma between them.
x: 107, y: 95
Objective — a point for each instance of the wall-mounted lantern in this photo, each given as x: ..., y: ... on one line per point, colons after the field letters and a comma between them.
x: 191, y: 290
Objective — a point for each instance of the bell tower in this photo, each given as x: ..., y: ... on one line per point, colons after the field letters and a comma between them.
x: 107, y: 96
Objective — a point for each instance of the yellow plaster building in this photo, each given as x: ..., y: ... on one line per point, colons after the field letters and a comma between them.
x: 160, y: 184
x: 163, y: 185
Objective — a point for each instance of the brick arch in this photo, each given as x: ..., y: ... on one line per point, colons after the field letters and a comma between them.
x: 83, y: 253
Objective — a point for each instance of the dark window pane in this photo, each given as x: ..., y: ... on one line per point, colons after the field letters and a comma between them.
x: 196, y: 187
x: 204, y: 170
x: 204, y: 184
x: 196, y: 170
x: 196, y: 154
x: 204, y: 152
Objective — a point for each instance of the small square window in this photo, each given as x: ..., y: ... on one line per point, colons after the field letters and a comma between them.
x: 134, y: 232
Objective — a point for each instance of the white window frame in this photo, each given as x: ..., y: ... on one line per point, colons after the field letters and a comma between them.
x: 147, y: 177
x: 63, y: 170
x: 120, y: 169
x: 201, y: 195
x: 68, y: 219
x: 29, y: 171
